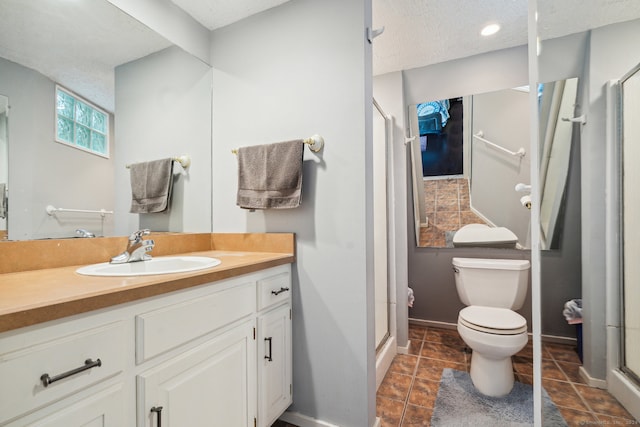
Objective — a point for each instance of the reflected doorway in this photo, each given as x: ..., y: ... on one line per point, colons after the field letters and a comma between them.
x: 441, y: 139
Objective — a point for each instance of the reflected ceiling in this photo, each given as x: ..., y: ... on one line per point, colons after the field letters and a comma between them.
x: 81, y: 53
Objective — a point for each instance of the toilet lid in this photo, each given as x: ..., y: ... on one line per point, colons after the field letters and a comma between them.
x: 493, y: 320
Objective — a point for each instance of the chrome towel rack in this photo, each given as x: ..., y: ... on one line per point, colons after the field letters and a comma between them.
x: 51, y: 210
x: 315, y: 143
x: 520, y: 153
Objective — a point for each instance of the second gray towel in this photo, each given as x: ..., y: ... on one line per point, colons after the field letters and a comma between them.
x: 270, y: 176
x: 151, y: 185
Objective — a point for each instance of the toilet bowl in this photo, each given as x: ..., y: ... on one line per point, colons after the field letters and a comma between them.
x: 494, y: 334
x: 492, y: 289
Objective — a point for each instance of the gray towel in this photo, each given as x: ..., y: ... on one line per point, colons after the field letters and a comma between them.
x: 151, y: 185
x: 270, y: 176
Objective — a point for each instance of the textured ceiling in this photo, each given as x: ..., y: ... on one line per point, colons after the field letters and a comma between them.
x: 424, y: 32
x: 74, y: 43
x: 79, y: 46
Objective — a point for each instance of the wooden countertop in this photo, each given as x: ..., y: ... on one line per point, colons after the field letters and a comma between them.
x: 36, y: 296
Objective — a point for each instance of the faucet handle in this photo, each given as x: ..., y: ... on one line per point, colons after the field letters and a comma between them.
x: 136, y: 236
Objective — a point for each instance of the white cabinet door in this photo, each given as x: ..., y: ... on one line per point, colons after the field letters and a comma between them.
x: 210, y: 385
x: 101, y: 409
x: 274, y: 361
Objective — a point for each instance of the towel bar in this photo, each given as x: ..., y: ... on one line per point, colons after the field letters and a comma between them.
x: 315, y: 143
x: 184, y: 160
x: 52, y: 210
x: 480, y: 137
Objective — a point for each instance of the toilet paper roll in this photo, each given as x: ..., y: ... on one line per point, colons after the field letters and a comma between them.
x: 526, y: 201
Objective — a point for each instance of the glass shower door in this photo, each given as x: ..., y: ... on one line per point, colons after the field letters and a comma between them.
x: 631, y: 226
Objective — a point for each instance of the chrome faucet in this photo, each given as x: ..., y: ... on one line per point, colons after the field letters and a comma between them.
x: 136, y: 249
x: 81, y: 232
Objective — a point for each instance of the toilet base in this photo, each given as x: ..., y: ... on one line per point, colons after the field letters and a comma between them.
x: 491, y: 377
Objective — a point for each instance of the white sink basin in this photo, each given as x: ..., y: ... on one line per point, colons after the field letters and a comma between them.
x: 161, y: 265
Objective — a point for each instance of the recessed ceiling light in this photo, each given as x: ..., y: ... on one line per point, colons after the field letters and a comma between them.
x: 490, y: 29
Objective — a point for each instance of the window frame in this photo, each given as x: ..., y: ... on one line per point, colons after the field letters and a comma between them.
x: 73, y: 144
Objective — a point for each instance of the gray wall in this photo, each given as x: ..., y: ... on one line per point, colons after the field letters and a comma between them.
x: 430, y: 269
x: 432, y: 280
x: 503, y: 117
x: 279, y: 76
x: 163, y: 109
x: 43, y: 172
x: 613, y: 51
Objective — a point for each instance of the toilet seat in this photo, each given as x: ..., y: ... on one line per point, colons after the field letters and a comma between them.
x: 492, y: 320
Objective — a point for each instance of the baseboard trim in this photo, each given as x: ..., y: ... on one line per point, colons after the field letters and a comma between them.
x: 434, y: 323
x: 300, y: 420
x: 384, y: 358
x: 404, y: 349
x: 591, y: 381
x: 445, y: 325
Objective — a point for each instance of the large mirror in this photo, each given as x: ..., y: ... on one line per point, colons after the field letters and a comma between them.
x: 470, y: 150
x: 4, y: 165
x: 473, y: 148
x: 111, y: 61
x: 594, y: 41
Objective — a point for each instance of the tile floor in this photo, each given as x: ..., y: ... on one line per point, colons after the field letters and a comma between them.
x: 448, y: 208
x: 408, y: 392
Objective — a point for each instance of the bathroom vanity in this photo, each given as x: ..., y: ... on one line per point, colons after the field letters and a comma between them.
x: 163, y: 350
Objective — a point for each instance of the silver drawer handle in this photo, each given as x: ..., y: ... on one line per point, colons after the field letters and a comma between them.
x: 280, y: 291
x: 88, y: 364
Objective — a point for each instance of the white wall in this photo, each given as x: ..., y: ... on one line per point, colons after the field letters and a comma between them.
x: 613, y: 52
x: 503, y: 117
x: 289, y: 72
x: 163, y: 109
x: 42, y: 171
x: 171, y: 22
x: 486, y: 72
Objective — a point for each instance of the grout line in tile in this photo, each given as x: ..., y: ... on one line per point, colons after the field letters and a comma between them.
x: 467, y: 362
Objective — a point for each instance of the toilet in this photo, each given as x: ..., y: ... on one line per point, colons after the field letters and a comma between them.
x: 491, y: 289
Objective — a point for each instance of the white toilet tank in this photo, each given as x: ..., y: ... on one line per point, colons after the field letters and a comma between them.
x: 492, y: 282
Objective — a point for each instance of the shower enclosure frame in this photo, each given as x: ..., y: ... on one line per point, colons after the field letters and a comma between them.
x: 622, y: 382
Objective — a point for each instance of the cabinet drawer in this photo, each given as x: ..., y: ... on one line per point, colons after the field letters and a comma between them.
x: 161, y: 330
x: 22, y: 389
x: 274, y: 289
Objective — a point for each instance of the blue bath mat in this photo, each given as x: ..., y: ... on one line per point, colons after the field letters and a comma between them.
x: 458, y: 403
